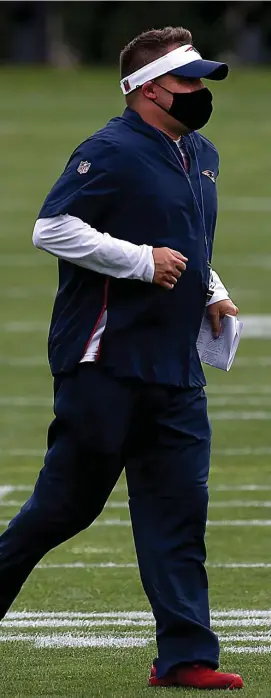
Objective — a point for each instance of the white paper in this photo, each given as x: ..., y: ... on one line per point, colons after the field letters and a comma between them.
x: 219, y: 352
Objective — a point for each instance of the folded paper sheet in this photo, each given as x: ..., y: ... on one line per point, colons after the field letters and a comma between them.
x: 219, y: 352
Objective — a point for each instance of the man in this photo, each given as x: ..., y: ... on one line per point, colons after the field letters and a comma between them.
x: 132, y: 220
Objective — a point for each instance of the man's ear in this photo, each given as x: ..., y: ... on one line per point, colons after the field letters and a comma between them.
x: 148, y: 90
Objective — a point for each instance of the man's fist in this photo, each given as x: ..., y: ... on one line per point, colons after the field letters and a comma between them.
x: 168, y: 266
x: 216, y: 311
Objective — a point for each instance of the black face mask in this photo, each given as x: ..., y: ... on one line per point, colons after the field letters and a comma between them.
x: 193, y: 109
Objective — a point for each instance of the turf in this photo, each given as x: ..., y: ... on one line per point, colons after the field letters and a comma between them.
x: 44, y: 114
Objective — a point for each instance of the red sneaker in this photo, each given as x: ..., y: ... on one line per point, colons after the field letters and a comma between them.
x: 196, y: 676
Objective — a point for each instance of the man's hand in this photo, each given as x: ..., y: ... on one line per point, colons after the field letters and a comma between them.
x: 168, y: 266
x: 216, y: 311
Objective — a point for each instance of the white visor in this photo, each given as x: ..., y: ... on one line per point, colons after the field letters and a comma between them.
x: 184, y: 61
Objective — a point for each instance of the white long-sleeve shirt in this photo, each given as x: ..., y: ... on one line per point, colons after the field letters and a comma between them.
x: 69, y: 238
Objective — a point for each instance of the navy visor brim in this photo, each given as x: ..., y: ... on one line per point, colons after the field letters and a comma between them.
x: 202, y: 69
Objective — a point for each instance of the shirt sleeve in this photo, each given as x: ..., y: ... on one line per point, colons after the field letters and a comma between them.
x: 70, y: 238
x: 220, y: 293
x: 92, y: 185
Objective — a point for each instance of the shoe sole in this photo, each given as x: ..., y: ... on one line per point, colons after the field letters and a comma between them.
x: 229, y: 687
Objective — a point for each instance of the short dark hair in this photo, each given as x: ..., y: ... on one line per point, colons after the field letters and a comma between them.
x: 149, y: 45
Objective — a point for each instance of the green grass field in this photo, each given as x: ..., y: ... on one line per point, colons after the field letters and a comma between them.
x: 68, y: 651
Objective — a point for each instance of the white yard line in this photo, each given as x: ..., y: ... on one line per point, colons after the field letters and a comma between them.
x: 78, y: 623
x: 23, y: 260
x: 245, y: 451
x: 241, y: 621
x: 242, y: 625
x: 252, y: 261
x: 111, y: 522
x: 257, y: 204
x: 250, y: 649
x: 255, y: 326
x: 82, y: 623
x: 19, y: 401
x: 251, y: 401
x: 25, y: 292
x: 240, y: 522
x: 253, y: 487
x: 218, y: 401
x: 11, y: 503
x: 5, y: 489
x: 21, y: 327
x: 231, y: 503
x: 22, y: 452
x: 88, y: 550
x: 234, y: 613
x: 240, y: 565
x: 221, y: 522
x: 24, y: 361
x: 239, y: 400
x: 86, y: 565
x: 58, y: 622
x: 241, y: 503
x: 224, y: 415
x: 236, y: 416
x: 117, y: 505
x: 82, y: 614
x: 240, y: 488
x: 87, y: 624
x: 123, y: 488
x: 248, y: 362
x: 57, y: 640
x: 133, y: 565
x: 239, y: 389
x: 227, y: 452
x: 29, y: 361
x: 241, y: 613
x: 227, y: 503
x: 70, y: 640
x: 242, y: 204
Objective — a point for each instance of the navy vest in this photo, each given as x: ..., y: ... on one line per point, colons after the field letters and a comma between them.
x: 136, y: 189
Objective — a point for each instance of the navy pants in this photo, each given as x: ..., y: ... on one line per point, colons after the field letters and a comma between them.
x: 161, y: 435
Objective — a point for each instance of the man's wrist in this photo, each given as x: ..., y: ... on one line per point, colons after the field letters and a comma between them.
x: 218, y: 296
x: 149, y: 268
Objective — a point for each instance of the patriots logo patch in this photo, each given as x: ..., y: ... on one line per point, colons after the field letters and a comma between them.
x: 210, y: 174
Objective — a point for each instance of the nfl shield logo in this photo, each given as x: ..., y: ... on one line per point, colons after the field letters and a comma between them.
x: 83, y: 167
